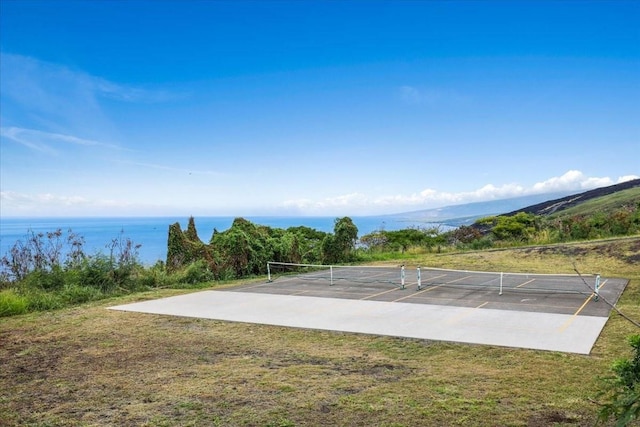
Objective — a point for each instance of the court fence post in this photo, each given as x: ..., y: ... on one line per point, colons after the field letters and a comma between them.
x: 596, y: 294
x: 268, y: 272
x: 501, y: 275
x: 402, y: 276
x: 419, y: 280
x: 331, y: 273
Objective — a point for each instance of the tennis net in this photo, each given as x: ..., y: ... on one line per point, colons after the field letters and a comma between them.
x: 333, y: 274
x: 502, y: 282
x: 429, y: 278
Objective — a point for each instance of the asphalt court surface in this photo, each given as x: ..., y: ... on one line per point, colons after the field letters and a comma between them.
x: 541, y: 293
x: 453, y: 307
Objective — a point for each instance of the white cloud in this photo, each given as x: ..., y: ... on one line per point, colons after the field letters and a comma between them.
x: 429, y: 198
x: 346, y: 201
x: 569, y: 181
x: 14, y: 200
x: 22, y: 204
x: 627, y: 178
x: 356, y: 203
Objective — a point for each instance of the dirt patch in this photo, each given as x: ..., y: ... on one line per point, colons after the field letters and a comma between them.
x: 625, y: 250
x: 558, y: 418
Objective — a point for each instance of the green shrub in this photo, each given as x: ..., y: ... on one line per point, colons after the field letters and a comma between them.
x: 46, y: 280
x: 226, y: 273
x: 623, y: 390
x: 11, y: 303
x: 75, y: 294
x: 196, y: 273
x: 97, y: 272
x: 155, y: 276
x: 39, y: 300
x: 101, y: 273
x: 482, y: 243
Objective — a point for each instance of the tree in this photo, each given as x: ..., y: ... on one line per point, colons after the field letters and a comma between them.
x: 346, y: 234
x: 465, y: 234
x: 182, y: 250
x: 191, y: 233
x: 309, y: 243
x: 375, y: 241
x: 339, y: 246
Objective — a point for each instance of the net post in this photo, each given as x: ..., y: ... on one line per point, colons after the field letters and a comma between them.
x: 596, y: 293
x: 419, y: 280
x: 402, y: 276
x: 268, y: 272
x: 501, y: 275
x: 331, y: 272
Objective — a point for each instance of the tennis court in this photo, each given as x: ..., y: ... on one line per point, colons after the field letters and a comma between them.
x: 543, y: 312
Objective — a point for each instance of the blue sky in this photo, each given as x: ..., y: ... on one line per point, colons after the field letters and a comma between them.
x: 118, y: 108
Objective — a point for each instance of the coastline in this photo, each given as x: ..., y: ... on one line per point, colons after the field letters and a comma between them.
x: 152, y: 232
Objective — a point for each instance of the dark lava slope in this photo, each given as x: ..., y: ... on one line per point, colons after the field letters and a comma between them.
x: 551, y: 206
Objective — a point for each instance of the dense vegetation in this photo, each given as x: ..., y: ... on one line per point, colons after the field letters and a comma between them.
x: 52, y: 270
x: 245, y: 248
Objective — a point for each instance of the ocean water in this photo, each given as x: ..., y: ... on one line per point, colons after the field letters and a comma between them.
x: 152, y: 232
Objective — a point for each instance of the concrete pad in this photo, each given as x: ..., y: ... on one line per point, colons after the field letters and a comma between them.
x: 530, y: 330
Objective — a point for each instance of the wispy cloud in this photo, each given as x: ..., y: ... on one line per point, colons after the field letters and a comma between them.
x: 431, y: 97
x: 132, y: 94
x: 44, y: 141
x: 45, y: 78
x: 57, y: 99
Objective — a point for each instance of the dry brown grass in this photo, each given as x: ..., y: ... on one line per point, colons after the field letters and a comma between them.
x: 92, y: 366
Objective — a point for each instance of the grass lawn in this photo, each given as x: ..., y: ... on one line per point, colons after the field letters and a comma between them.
x: 89, y: 366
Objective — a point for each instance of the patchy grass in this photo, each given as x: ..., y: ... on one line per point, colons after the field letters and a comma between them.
x: 92, y: 366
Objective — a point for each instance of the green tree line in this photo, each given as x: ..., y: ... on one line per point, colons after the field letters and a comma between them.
x: 52, y: 270
x: 245, y: 248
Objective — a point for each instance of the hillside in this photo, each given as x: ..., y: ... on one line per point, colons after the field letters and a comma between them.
x: 603, y: 212
x: 538, y: 204
x: 466, y: 214
x: 554, y: 206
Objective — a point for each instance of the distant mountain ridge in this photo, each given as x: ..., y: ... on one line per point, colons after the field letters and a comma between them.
x: 538, y: 204
x: 465, y: 214
x: 552, y: 206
